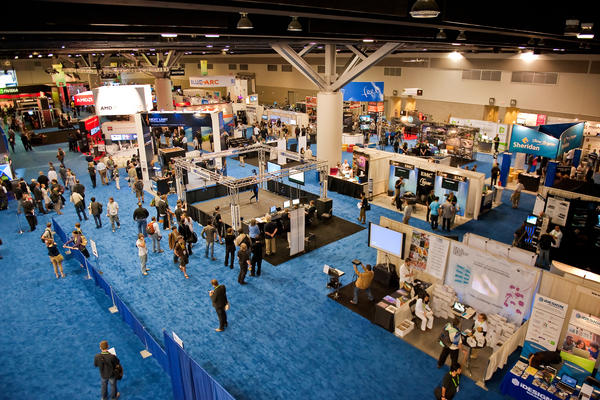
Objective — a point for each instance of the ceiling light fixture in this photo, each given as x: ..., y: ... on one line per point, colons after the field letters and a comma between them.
x: 209, y: 45
x: 368, y: 40
x: 461, y: 36
x: 50, y: 55
x: 586, y: 31
x: 456, y: 44
x: 16, y: 57
x: 31, y: 56
x: 212, y: 35
x: 168, y: 35
x: 294, y: 25
x: 455, y: 55
x: 39, y: 56
x: 531, y: 42
x: 244, y: 22
x: 62, y: 47
x: 425, y: 9
x: 441, y: 35
x: 528, y: 56
x: 571, y: 27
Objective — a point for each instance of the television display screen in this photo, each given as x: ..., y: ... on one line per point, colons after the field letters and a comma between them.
x: 361, y: 161
x: 365, y: 118
x: 272, y: 167
x: 450, y: 184
x: 385, y: 239
x: 365, y: 127
x: 297, y: 177
x: 295, y: 202
x: 287, y: 204
x: 273, y: 209
x: 402, y: 172
x: 532, y: 219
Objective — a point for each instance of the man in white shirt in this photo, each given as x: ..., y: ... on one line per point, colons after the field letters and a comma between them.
x: 77, y: 201
x: 570, y: 156
x: 101, y: 168
x: 256, y: 131
x: 557, y: 235
x: 516, y: 196
x: 406, y: 276
x: 52, y: 174
x: 142, y: 253
x: 308, y: 153
x: 112, y: 212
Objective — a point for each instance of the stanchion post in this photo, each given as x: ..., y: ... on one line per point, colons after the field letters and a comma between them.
x: 113, y: 309
x: 145, y: 353
x: 87, y: 269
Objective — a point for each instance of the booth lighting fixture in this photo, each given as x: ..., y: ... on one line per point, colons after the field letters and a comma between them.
x: 68, y: 55
x: 16, y: 57
x: 209, y: 45
x: 425, y: 9
x: 225, y: 49
x: 39, y: 56
x: 522, y: 47
x: 424, y: 49
x: 294, y: 25
x: 50, y: 55
x: 203, y: 52
x: 244, y: 22
x: 319, y: 47
x: 441, y: 35
x: 168, y: 35
x: 93, y: 54
x: 461, y: 36
x: 456, y: 44
x: 35, y: 53
x: 571, y: 27
x: 313, y: 43
x: 368, y: 40
x: 528, y: 56
x: 212, y: 35
x: 531, y: 42
x: 62, y: 47
x: 227, y: 46
x: 455, y: 55
x: 31, y: 56
x: 586, y: 31
x: 151, y: 50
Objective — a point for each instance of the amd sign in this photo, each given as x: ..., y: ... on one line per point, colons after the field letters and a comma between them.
x: 122, y: 100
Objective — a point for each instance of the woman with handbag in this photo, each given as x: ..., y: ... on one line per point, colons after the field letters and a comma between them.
x: 55, y: 257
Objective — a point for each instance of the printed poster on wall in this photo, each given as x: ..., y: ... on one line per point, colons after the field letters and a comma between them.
x: 558, y: 210
x: 546, y: 321
x: 490, y: 283
x: 428, y: 253
x: 582, y: 340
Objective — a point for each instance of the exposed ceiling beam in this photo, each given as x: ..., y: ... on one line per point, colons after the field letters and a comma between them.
x: 359, y: 53
x: 285, y: 51
x: 306, y: 50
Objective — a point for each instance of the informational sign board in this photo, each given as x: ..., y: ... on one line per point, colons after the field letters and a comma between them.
x: 122, y: 100
x: 558, y: 210
x: 428, y: 253
x: 581, y: 340
x: 363, y: 91
x: 212, y: 81
x: 528, y: 140
x: 546, y: 321
x: 94, y: 248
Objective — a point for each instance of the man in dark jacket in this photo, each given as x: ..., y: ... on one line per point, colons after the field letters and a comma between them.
x: 107, y: 363
x: 162, y: 209
x: 96, y: 211
x: 43, y: 179
x: 79, y: 188
x: 29, y: 209
x: 219, y: 301
x: 39, y: 198
x: 140, y: 215
x: 495, y: 172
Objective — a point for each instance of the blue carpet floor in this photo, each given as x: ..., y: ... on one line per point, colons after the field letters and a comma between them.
x: 286, y: 338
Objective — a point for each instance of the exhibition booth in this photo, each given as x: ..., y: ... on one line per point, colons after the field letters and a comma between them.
x: 383, y: 169
x: 487, y: 132
x: 460, y: 142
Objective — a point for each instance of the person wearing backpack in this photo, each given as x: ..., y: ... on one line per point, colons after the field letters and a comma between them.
x: 110, y: 369
x: 450, y: 340
x: 154, y: 232
x: 96, y: 211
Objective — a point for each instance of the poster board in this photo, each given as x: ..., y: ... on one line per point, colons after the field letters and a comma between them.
x: 582, y: 340
x: 558, y: 210
x: 490, y: 283
x: 546, y: 321
x: 540, y: 204
x: 428, y: 253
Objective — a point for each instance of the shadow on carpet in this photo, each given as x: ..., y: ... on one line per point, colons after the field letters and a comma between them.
x: 364, y: 308
x: 325, y: 232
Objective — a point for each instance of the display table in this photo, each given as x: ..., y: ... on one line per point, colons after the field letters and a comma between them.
x: 530, y: 181
x: 519, y: 388
x: 353, y: 138
x: 345, y: 186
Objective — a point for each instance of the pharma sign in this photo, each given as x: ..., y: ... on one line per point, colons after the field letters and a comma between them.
x: 527, y: 140
x: 363, y: 91
x: 212, y: 81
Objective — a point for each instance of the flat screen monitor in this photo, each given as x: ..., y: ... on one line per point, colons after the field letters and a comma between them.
x: 458, y: 307
x: 273, y: 209
x: 265, y: 117
x: 295, y: 202
x: 272, y: 167
x: 297, y: 177
x: 450, y: 184
x: 386, y: 240
x: 569, y: 381
x: 365, y: 118
x: 401, y: 172
x: 532, y: 219
x: 287, y: 204
x: 365, y: 127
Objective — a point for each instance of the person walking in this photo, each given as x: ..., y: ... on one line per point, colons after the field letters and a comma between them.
x: 95, y: 208
x: 363, y: 282
x: 131, y: 175
x: 257, y: 257
x: 107, y: 364
x: 448, y: 211
x: 181, y: 253
x: 244, y: 260
x: 434, y: 212
x: 449, y: 340
x: 187, y: 231
x: 48, y: 232
x: 92, y: 172
x: 77, y: 201
x: 110, y: 166
x: 545, y: 243
x: 142, y: 253
x: 162, y: 208
x: 115, y: 177
x: 516, y: 196
x: 209, y: 234
x: 140, y: 215
x: 62, y: 171
x: 12, y: 140
x: 495, y: 173
x: 29, y: 210
x: 60, y: 156
x: 430, y: 199
x: 218, y: 223
x: 229, y: 247
x: 450, y: 383
x: 112, y: 212
x: 218, y: 296
x: 173, y: 238
x: 270, y: 236
x: 138, y: 186
x: 364, y: 207
x: 408, y: 210
x: 496, y: 143
x: 77, y: 187
x: 153, y: 229
x: 101, y: 168
x: 254, y: 188
x: 55, y: 257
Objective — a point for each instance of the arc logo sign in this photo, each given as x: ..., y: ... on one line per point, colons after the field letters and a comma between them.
x: 212, y: 81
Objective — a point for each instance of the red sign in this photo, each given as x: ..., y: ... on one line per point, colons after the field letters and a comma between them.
x: 541, y: 119
x: 311, y: 101
x: 84, y: 99
x: 372, y: 106
x: 91, y: 123
x: 380, y: 106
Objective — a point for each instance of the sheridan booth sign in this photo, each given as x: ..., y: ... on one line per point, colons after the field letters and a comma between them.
x: 212, y: 81
x: 122, y: 100
x: 527, y: 140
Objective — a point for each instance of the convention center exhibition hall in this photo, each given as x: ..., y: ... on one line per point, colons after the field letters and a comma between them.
x: 300, y: 200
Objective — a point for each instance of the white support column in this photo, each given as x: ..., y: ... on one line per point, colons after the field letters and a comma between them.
x: 330, y: 64
x: 164, y: 94
x: 329, y: 127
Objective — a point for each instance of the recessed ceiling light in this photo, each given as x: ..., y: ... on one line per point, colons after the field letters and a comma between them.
x: 203, y: 52
x: 209, y: 45
x: 68, y: 55
x: 425, y: 9
x: 62, y: 47
x: 424, y: 49
x: 50, y: 55
x: 319, y: 47
x: 456, y: 44
x: 39, y: 56
x: 528, y: 56
x: 227, y: 46
x: 522, y: 47
x: 212, y: 35
x: 555, y: 49
x: 368, y: 40
x: 35, y: 53
x: 313, y: 43
x: 31, y: 56
x: 152, y: 49
x: 168, y: 35
x: 16, y: 57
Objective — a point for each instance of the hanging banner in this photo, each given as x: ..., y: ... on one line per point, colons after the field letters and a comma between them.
x: 546, y: 321
x: 212, y: 81
x: 582, y: 340
x: 372, y: 107
x: 91, y: 123
x: 527, y: 140
x: 429, y: 253
x: 572, y: 138
x: 122, y: 100
x: 203, y: 67
x: 363, y: 91
x: 491, y: 284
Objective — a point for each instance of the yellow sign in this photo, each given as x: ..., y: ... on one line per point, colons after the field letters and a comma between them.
x: 203, y: 67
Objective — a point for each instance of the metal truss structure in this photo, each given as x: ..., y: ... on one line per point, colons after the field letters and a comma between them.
x: 189, y: 164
